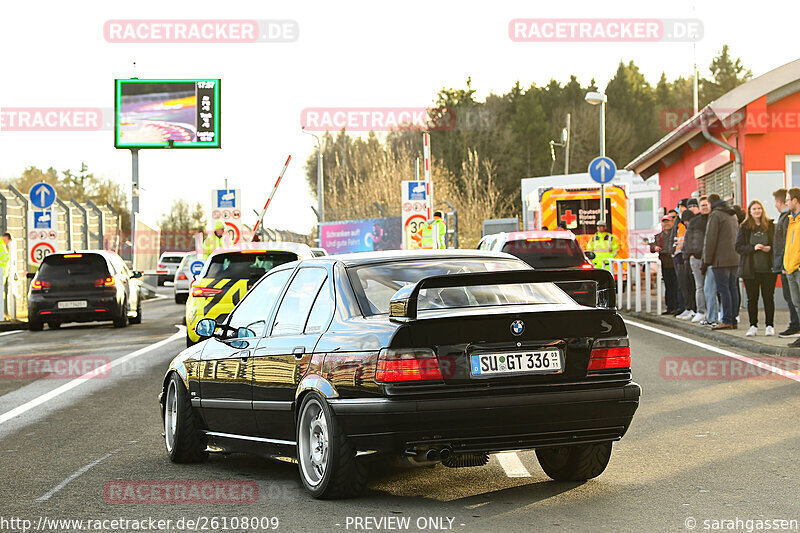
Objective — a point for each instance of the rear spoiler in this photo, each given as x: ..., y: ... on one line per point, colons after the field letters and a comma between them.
x: 404, y: 302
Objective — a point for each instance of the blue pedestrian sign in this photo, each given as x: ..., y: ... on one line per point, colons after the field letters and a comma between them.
x: 42, y: 195
x: 602, y: 169
x: 226, y: 198
x: 196, y: 267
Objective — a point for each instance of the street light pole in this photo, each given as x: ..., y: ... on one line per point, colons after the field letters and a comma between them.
x: 595, y: 98
x: 320, y: 193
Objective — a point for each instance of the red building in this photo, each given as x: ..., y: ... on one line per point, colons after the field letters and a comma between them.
x: 745, y: 144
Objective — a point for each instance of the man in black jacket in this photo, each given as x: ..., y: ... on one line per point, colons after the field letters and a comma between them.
x: 661, y: 245
x: 777, y: 254
x: 719, y: 253
x: 693, y: 249
x: 682, y: 266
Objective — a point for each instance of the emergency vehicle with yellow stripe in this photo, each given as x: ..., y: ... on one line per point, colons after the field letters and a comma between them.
x: 578, y: 208
x: 227, y: 275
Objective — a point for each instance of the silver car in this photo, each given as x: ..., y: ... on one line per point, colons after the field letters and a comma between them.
x: 168, y: 265
x: 183, y: 278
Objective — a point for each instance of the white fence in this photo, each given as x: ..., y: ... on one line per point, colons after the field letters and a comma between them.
x: 629, y: 274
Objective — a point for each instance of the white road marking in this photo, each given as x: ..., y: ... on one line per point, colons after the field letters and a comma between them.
x: 27, y: 406
x: 78, y: 473
x: 512, y: 465
x: 726, y: 353
x: 156, y: 298
x: 10, y: 332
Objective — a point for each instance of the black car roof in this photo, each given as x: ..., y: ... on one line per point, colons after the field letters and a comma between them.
x: 388, y: 256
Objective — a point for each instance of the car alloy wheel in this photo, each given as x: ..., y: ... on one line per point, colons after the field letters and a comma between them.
x: 314, y: 450
x: 171, y: 416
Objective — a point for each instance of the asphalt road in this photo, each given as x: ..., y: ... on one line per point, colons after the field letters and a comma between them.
x: 700, y: 448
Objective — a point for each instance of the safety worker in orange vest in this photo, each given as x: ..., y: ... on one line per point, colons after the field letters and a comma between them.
x: 214, y: 240
x: 604, y: 245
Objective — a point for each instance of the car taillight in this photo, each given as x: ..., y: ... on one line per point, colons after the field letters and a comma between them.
x: 39, y: 285
x: 104, y: 282
x: 610, y: 353
x: 587, y: 266
x: 162, y: 265
x: 182, y: 277
x: 407, y: 365
x: 204, y: 292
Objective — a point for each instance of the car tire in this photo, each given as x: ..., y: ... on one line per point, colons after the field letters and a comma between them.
x: 138, y: 318
x: 35, y: 324
x: 177, y: 298
x: 182, y: 437
x: 121, y: 320
x: 577, y: 462
x: 182, y: 298
x: 327, y: 460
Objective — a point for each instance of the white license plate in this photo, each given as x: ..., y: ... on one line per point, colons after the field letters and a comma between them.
x: 75, y: 304
x: 533, y: 362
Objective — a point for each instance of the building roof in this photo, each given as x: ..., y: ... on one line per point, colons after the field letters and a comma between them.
x: 775, y: 85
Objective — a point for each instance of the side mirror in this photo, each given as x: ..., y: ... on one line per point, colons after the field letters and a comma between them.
x: 590, y: 255
x: 137, y: 274
x: 205, y: 328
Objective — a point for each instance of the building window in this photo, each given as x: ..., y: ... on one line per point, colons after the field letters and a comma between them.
x: 643, y: 213
x: 718, y: 182
x: 793, y: 170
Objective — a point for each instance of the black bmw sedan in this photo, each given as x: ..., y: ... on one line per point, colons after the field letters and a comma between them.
x: 438, y: 356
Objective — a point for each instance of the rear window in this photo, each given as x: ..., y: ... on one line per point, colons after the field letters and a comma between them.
x: 246, y: 264
x: 378, y: 283
x: 171, y: 259
x: 546, y: 252
x: 58, y: 267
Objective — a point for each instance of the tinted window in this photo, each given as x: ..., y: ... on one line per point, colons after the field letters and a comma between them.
x: 378, y: 283
x: 296, y: 304
x: 171, y: 259
x: 254, y: 310
x: 59, y: 267
x: 322, y: 310
x: 246, y: 265
x: 546, y: 252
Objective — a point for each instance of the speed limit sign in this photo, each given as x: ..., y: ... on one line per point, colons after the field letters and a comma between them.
x: 40, y: 251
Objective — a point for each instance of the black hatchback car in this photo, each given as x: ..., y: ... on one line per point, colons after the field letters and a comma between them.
x: 441, y: 357
x: 84, y: 286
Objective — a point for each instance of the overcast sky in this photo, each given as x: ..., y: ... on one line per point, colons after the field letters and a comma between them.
x: 349, y: 54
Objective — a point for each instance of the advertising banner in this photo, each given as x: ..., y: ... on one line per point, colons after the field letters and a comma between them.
x: 362, y: 235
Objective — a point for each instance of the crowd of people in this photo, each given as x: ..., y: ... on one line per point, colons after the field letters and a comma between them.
x: 707, y: 244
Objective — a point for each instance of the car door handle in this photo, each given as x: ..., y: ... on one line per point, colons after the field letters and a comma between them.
x: 299, y: 352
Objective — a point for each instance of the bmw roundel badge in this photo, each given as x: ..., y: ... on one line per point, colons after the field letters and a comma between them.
x: 517, y: 327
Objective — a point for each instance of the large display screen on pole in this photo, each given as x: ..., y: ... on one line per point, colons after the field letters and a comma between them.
x: 167, y: 113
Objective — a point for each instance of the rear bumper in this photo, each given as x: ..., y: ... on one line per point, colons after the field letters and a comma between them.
x: 97, y: 308
x: 489, y: 423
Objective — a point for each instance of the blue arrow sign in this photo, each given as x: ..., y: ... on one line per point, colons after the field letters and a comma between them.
x: 196, y: 267
x: 42, y: 195
x: 602, y: 169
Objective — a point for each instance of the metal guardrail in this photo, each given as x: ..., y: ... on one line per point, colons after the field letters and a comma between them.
x: 624, y: 272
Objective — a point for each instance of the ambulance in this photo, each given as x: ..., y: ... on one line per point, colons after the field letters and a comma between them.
x: 574, y: 199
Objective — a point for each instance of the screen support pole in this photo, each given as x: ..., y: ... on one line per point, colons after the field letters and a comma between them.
x: 134, y: 200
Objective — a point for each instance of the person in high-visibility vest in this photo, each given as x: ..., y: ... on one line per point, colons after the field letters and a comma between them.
x: 432, y: 235
x: 5, y: 259
x: 604, y: 245
x: 214, y: 240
